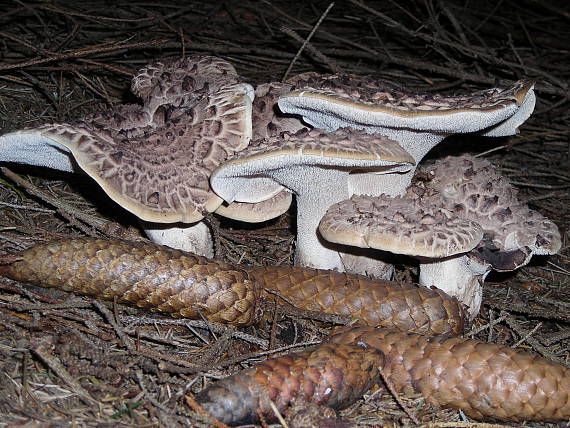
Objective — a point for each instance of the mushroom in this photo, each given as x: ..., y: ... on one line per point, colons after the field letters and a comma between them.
x: 315, y: 166
x: 154, y: 160
x: 467, y: 220
x: 267, y: 122
x: 417, y: 121
x: 408, y: 227
x: 472, y: 188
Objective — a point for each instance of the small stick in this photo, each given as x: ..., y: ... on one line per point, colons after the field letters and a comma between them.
x: 392, y: 391
x: 278, y: 414
x: 112, y: 320
x: 311, y: 34
x: 54, y: 364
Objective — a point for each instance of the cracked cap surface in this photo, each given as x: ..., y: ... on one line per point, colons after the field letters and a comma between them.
x: 343, y: 143
x: 399, y: 225
x: 472, y: 188
x: 171, y: 81
x: 160, y: 171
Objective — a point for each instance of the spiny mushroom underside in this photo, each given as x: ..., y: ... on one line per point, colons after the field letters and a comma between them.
x: 484, y: 380
x: 330, y: 375
x: 183, y: 284
x: 373, y: 92
x: 268, y: 121
x: 174, y: 81
x: 161, y: 174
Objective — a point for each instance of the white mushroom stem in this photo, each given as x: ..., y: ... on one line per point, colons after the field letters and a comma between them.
x: 316, y: 188
x: 459, y: 276
x: 195, y: 237
x: 312, y: 202
x: 315, y: 191
x: 367, y: 263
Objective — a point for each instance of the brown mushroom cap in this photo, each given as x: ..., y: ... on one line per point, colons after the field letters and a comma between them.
x: 154, y: 159
x: 174, y: 81
x: 267, y: 120
x: 161, y: 173
x: 399, y: 225
x: 342, y: 144
x: 473, y: 189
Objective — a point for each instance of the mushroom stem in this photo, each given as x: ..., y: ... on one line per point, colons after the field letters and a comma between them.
x: 458, y: 276
x: 312, y: 203
x: 395, y: 184
x: 195, y: 238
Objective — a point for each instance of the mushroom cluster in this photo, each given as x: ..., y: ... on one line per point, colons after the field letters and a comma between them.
x: 460, y: 222
x: 203, y: 141
x: 155, y: 159
x: 417, y: 121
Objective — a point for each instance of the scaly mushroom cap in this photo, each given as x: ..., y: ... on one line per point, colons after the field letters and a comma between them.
x: 267, y: 120
x: 340, y: 100
x: 399, y: 225
x: 161, y: 173
x: 473, y: 189
x: 176, y: 81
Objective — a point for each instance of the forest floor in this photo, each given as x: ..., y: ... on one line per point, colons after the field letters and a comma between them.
x: 74, y: 361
